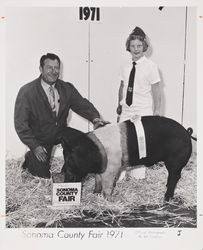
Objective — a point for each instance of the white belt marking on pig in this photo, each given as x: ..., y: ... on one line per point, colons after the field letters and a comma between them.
x: 96, y: 140
x: 136, y: 120
x: 109, y: 136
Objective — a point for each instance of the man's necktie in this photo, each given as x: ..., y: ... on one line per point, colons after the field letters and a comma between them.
x: 52, y: 99
x: 129, y: 96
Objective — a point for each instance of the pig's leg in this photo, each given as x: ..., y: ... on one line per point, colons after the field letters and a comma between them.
x: 109, y: 177
x: 174, y: 165
x: 173, y: 177
x: 108, y: 181
x: 98, y: 184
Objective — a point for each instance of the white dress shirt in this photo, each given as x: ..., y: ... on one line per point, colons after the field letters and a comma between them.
x: 146, y: 74
x: 46, y: 86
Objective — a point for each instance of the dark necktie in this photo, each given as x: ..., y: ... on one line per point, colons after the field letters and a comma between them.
x: 129, y: 96
x: 52, y: 100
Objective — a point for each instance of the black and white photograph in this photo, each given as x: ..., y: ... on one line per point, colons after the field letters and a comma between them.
x: 100, y: 135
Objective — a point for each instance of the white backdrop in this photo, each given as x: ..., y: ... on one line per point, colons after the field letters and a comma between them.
x: 92, y: 53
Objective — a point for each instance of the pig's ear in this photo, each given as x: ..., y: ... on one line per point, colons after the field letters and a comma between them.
x: 66, y: 144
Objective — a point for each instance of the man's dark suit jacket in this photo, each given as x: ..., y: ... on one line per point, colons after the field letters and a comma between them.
x: 34, y: 121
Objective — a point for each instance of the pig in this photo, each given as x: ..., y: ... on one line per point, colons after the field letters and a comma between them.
x: 111, y: 149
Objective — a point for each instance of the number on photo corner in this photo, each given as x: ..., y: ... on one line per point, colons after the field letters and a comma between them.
x: 89, y: 13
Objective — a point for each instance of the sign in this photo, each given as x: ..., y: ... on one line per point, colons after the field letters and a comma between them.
x: 65, y: 194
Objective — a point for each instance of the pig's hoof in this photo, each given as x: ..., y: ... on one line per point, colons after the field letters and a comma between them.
x: 98, y: 194
x: 110, y: 200
x: 96, y: 191
x: 108, y: 197
x: 167, y: 198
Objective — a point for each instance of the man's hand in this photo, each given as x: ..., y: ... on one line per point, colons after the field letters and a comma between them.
x: 99, y: 122
x: 41, y: 153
